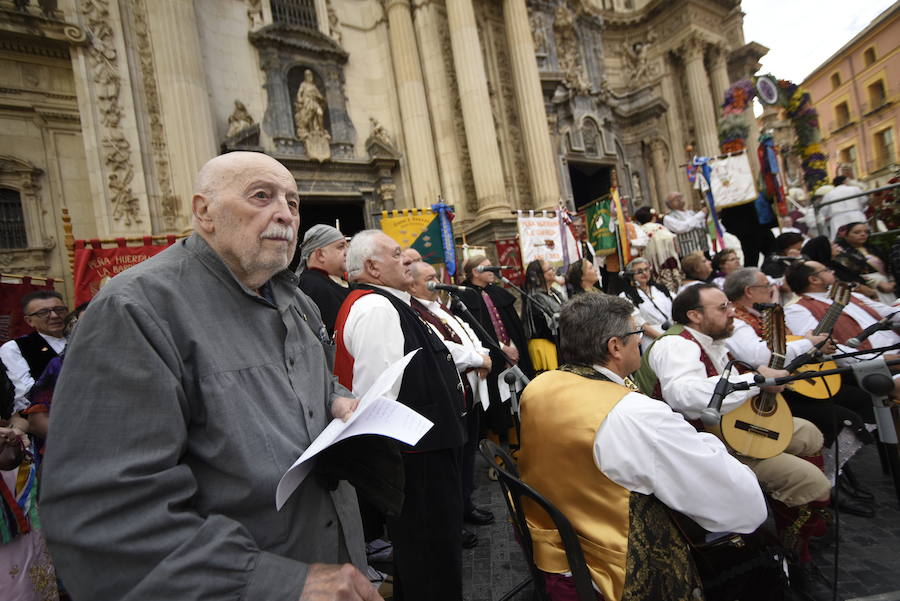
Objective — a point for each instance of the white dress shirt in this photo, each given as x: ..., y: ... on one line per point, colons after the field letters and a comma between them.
x: 679, y: 222
x: 17, y: 368
x: 645, y: 447
x: 745, y: 345
x: 800, y: 319
x: 682, y: 376
x: 650, y: 315
x: 841, y: 213
x: 374, y: 339
x: 469, y: 354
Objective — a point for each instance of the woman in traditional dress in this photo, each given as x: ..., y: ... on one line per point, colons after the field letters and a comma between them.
x: 652, y: 300
x: 540, y: 312
x: 860, y: 258
x: 582, y: 277
x: 725, y: 261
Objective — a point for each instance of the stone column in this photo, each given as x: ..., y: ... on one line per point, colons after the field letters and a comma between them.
x: 180, y: 73
x: 674, y: 182
x: 718, y: 75
x: 701, y: 103
x: 530, y: 101
x: 481, y: 134
x: 419, y: 145
x: 658, y: 161
x: 440, y: 103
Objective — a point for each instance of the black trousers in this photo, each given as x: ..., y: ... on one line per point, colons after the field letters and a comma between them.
x: 468, y: 457
x: 427, y: 535
x: 849, y: 408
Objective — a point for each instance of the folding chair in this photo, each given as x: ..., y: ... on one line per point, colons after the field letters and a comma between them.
x: 513, y: 491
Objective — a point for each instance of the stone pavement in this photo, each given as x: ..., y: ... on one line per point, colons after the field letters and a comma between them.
x: 869, y: 554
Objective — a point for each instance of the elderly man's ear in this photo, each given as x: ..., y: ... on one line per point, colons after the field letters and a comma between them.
x: 200, y: 207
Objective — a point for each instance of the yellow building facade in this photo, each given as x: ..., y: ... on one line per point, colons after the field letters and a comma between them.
x: 109, y: 107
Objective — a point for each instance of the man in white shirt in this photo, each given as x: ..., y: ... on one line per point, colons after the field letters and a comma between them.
x: 375, y: 327
x: 612, y: 460
x: 812, y: 281
x: 847, y: 211
x: 26, y: 357
x: 689, y: 227
x: 473, y: 363
x: 689, y: 364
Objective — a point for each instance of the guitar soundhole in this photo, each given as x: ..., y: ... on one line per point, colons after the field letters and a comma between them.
x: 763, y: 407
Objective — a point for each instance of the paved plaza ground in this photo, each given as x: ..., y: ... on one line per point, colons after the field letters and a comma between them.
x: 869, y: 551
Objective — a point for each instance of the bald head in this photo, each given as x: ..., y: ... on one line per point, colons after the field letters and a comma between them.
x: 247, y: 208
x: 675, y: 201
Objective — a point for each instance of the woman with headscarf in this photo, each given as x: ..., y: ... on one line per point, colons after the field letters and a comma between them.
x: 863, y: 260
x: 540, y: 314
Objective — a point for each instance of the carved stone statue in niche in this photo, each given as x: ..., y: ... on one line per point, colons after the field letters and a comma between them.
x: 537, y: 33
x: 254, y: 13
x: 239, y: 120
x: 309, y: 118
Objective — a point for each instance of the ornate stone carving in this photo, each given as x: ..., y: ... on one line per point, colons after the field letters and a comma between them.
x: 20, y: 175
x: 568, y: 54
x: 379, y: 134
x: 104, y: 64
x: 693, y: 48
x: 238, y: 120
x: 637, y: 58
x: 169, y: 202
x: 334, y: 24
x: 309, y: 118
x: 254, y: 13
x: 538, y: 33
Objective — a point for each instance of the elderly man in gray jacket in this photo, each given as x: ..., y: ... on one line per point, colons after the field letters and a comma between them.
x: 193, y: 382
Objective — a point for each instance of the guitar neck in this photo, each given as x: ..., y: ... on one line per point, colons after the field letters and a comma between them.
x: 830, y: 318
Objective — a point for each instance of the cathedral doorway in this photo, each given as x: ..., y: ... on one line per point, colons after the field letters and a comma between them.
x: 589, y: 181
x: 349, y: 214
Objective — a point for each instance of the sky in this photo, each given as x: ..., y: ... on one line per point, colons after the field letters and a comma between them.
x: 802, y: 34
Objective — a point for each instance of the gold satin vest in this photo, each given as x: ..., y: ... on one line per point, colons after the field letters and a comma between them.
x: 631, y: 547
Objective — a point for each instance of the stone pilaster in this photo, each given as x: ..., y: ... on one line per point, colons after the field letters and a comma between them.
x: 419, y: 144
x: 692, y: 52
x: 658, y: 162
x: 111, y: 139
x: 530, y: 102
x: 440, y: 103
x: 718, y: 75
x: 186, y: 112
x: 674, y: 181
x: 481, y: 133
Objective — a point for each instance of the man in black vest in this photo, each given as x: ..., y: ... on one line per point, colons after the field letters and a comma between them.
x: 26, y: 357
x: 375, y: 327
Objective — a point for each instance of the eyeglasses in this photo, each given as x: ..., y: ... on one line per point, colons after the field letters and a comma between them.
x: 722, y: 307
x: 769, y: 285
x: 627, y: 334
x: 60, y: 310
x: 821, y: 271
x: 641, y: 271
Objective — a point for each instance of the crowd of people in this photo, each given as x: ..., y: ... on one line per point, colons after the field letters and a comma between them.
x: 188, y: 386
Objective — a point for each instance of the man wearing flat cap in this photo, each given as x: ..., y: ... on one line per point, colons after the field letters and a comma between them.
x: 322, y: 256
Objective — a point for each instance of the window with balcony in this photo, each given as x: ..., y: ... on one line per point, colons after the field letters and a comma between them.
x: 295, y: 12
x: 869, y: 56
x: 12, y: 220
x: 835, y: 80
x: 841, y: 115
x: 884, y: 148
x: 877, y: 94
x: 847, y: 156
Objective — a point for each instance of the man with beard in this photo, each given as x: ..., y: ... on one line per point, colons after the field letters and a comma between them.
x: 192, y: 384
x: 688, y: 363
x: 376, y: 326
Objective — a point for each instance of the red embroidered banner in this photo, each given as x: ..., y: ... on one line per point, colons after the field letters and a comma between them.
x: 12, y: 321
x: 94, y: 265
x: 508, y: 253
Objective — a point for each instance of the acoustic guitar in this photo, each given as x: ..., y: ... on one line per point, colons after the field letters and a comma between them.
x: 826, y: 386
x: 763, y: 426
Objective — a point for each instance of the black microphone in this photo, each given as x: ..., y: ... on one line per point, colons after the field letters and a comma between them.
x: 883, y: 324
x: 713, y: 412
x: 813, y: 356
x: 447, y: 287
x: 493, y: 268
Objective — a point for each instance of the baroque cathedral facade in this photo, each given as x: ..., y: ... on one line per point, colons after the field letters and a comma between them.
x: 109, y: 107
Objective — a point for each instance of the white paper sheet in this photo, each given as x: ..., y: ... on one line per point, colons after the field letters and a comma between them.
x: 504, y: 387
x: 378, y: 413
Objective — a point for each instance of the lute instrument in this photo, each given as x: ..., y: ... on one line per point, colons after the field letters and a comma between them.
x: 762, y: 426
x: 826, y: 386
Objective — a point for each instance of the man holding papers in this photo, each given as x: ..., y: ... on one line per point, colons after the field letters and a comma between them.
x: 194, y: 381
x: 375, y: 327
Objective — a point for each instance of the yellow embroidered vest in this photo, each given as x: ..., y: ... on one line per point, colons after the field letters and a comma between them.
x: 630, y: 544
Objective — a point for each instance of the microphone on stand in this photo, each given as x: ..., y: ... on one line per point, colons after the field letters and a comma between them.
x: 493, y: 268
x: 447, y: 287
x: 713, y: 412
x: 883, y: 324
